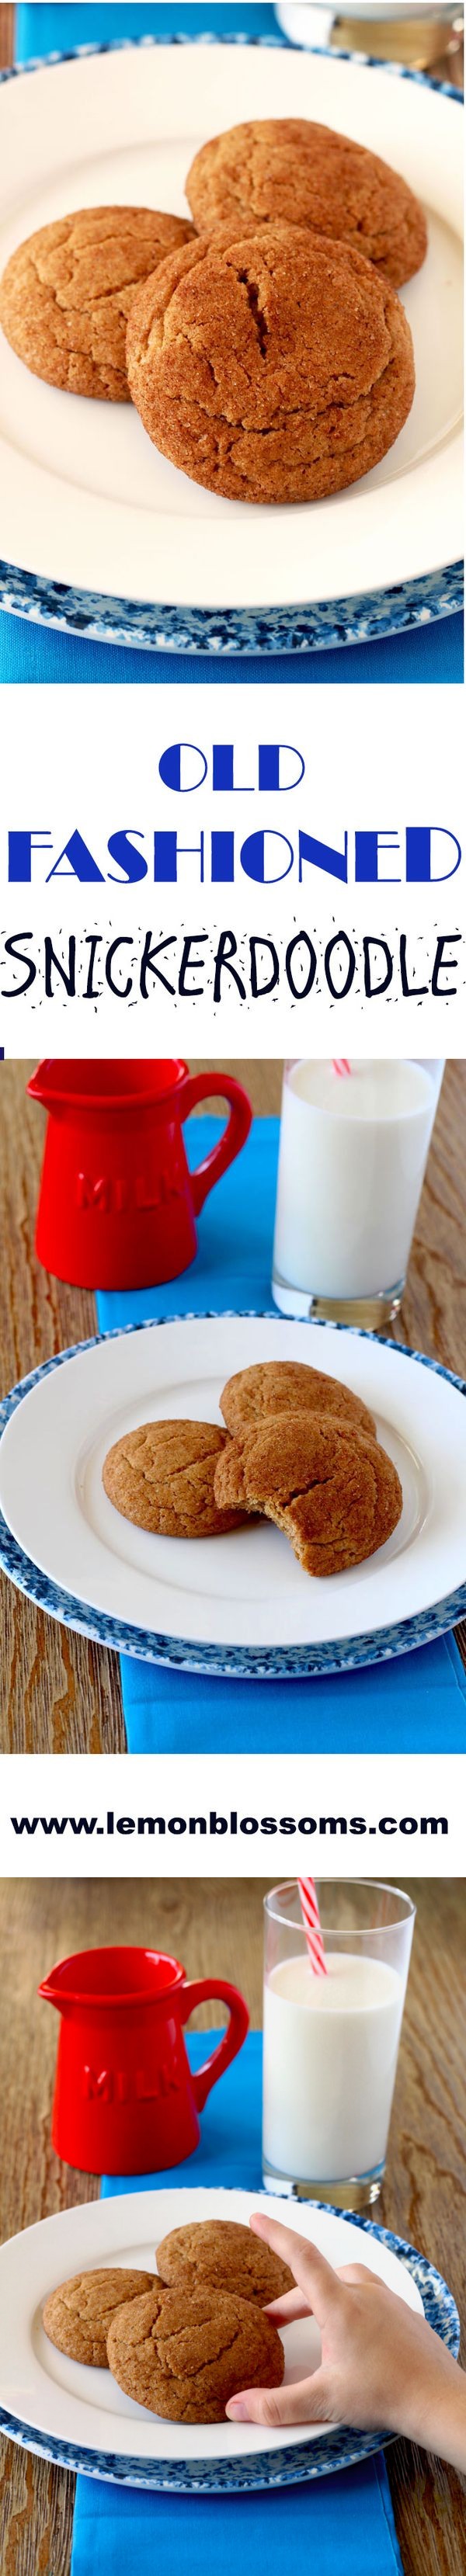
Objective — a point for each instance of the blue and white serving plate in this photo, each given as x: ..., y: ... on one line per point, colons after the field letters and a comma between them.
x: 240, y: 1604
x: 79, y: 2417
x: 99, y: 534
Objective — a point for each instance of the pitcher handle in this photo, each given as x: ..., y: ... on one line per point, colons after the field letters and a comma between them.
x: 204, y: 1086
x: 199, y: 1992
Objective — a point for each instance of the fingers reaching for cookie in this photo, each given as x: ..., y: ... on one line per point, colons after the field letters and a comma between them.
x: 382, y: 2367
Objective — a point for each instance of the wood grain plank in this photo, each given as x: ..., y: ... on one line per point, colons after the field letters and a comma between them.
x: 7, y: 36
x: 424, y: 2197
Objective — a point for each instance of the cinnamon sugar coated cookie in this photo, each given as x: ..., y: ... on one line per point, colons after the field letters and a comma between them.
x: 76, y: 2318
x: 306, y: 174
x: 162, y: 1478
x: 66, y: 294
x: 289, y: 1386
x: 269, y: 364
x: 220, y: 2253
x: 333, y: 1491
x: 184, y: 2353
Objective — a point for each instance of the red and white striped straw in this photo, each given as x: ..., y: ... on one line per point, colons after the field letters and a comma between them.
x: 312, y: 1926
x: 341, y: 1064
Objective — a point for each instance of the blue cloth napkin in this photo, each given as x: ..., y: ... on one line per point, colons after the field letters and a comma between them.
x: 32, y: 653
x: 417, y: 1703
x: 56, y: 26
x: 29, y: 651
x: 340, y: 2526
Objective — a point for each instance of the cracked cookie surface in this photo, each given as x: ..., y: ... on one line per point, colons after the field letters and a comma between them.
x: 184, y: 2353
x: 161, y: 1476
x: 67, y: 292
x: 289, y: 1386
x: 334, y: 1492
x: 219, y: 2252
x: 77, y: 2316
x: 269, y: 364
x: 287, y: 167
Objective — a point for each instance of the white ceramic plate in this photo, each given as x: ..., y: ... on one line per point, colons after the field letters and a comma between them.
x: 241, y: 1601
x: 62, y: 2403
x: 85, y: 500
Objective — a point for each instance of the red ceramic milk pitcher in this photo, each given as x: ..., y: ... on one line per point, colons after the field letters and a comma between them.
x: 117, y: 1202
x: 126, y: 2101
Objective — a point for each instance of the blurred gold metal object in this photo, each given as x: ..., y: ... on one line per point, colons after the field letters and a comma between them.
x: 415, y: 40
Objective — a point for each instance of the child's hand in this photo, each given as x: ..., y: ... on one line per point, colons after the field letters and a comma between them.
x: 382, y: 2367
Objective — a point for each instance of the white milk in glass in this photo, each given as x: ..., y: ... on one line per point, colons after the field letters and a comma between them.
x: 330, y: 2053
x: 353, y: 1150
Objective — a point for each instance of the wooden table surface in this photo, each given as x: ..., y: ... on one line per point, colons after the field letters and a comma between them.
x: 58, y: 1692
x: 424, y: 2197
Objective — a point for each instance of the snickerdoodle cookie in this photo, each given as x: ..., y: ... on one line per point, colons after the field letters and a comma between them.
x: 289, y: 1386
x: 306, y: 174
x: 219, y: 2253
x: 269, y: 364
x: 184, y: 2352
x: 162, y: 1477
x: 334, y: 1491
x: 67, y: 292
x: 77, y: 2316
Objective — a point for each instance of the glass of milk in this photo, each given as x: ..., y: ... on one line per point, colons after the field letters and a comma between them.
x: 331, y: 2042
x: 415, y: 33
x: 353, y: 1152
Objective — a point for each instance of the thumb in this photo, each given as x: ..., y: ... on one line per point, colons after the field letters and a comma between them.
x: 304, y: 2401
x: 312, y: 2273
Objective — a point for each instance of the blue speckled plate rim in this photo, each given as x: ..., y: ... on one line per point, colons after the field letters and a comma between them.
x: 330, y: 2452
x: 321, y: 627
x: 181, y: 1654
